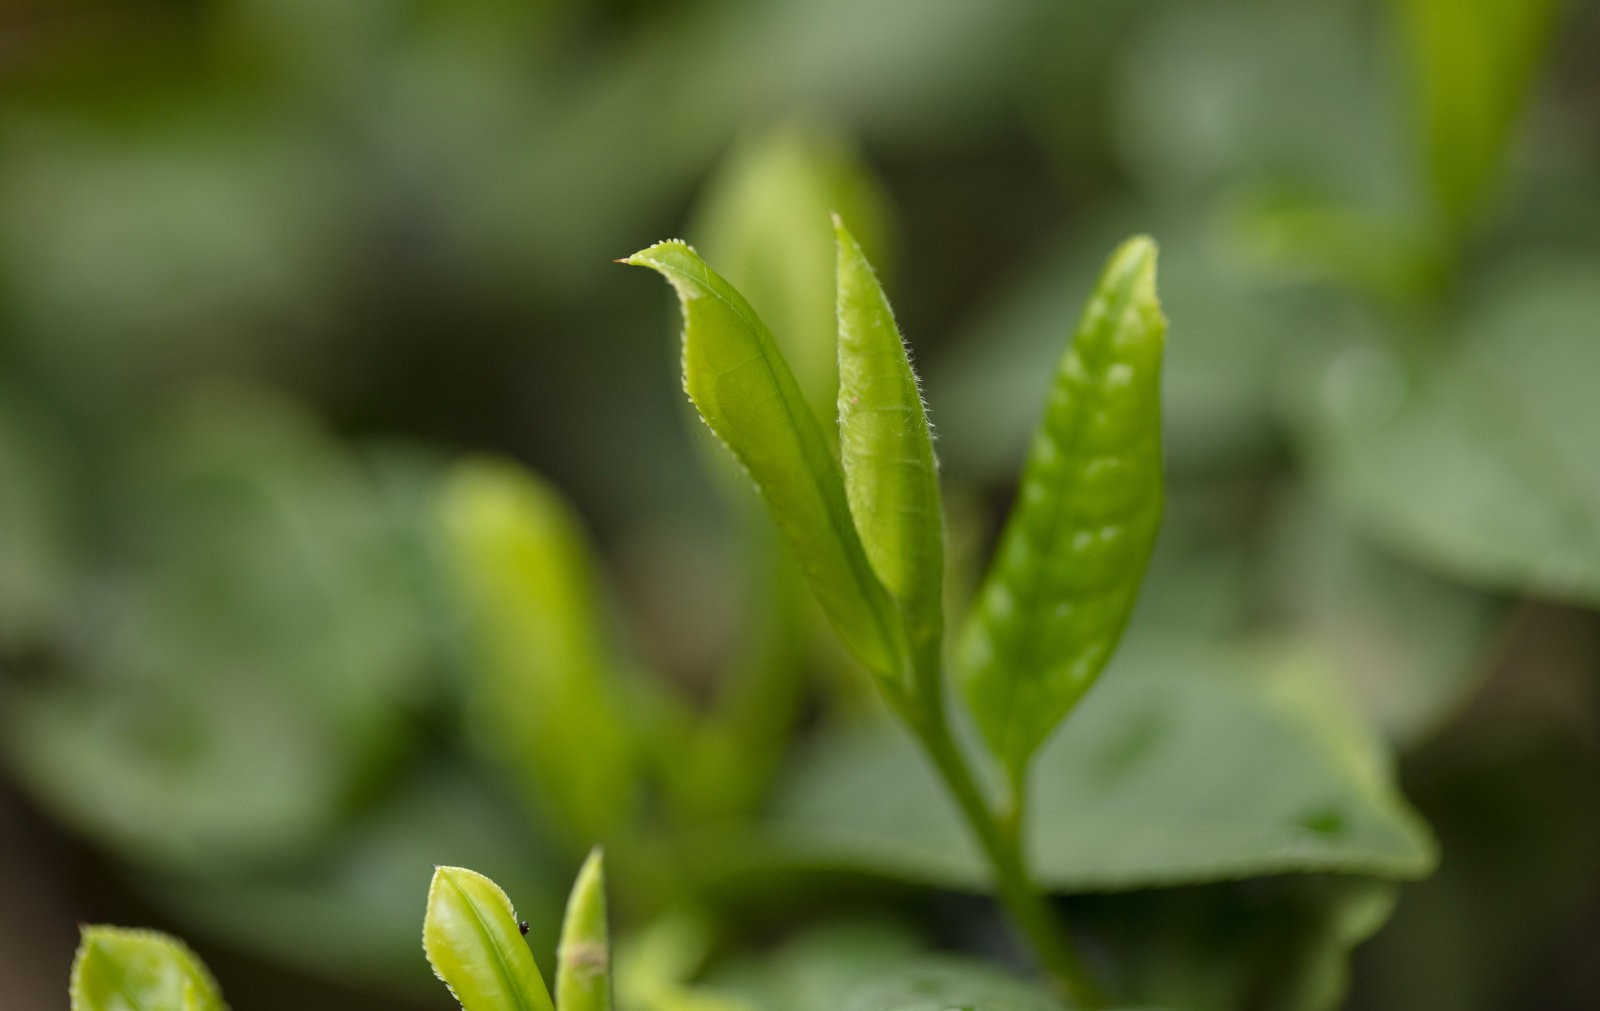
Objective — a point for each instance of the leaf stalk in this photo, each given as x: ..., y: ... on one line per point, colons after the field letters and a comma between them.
x: 1000, y: 836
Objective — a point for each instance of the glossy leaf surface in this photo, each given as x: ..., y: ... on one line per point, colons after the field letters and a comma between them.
x: 118, y: 969
x: 746, y: 394
x: 890, y: 475
x: 471, y: 937
x: 583, y: 969
x: 1068, y: 568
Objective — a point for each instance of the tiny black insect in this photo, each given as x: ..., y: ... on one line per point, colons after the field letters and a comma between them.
x: 522, y: 925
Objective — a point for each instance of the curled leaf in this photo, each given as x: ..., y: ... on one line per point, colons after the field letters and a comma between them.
x: 745, y: 392
x: 1074, y: 550
x: 886, y: 447
x: 764, y: 223
x: 473, y: 941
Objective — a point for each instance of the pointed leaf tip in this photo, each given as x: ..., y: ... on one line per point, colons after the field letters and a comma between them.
x: 886, y: 449
x: 471, y: 937
x: 1074, y: 550
x: 746, y: 393
x: 583, y: 972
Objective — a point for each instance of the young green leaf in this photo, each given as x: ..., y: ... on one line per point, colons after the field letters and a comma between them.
x: 890, y: 475
x: 1075, y: 547
x: 543, y: 696
x: 118, y: 969
x: 583, y: 969
x: 738, y: 380
x: 764, y: 223
x: 472, y: 940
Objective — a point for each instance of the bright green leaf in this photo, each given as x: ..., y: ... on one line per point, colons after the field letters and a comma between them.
x: 583, y: 969
x: 890, y: 475
x: 1069, y: 564
x: 1158, y: 781
x: 472, y: 940
x: 738, y: 380
x: 764, y: 222
x: 543, y: 692
x: 118, y: 969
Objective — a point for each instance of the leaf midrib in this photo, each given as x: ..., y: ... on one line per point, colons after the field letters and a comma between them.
x: 489, y: 940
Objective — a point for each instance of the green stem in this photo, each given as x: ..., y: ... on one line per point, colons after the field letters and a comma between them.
x: 1001, y: 839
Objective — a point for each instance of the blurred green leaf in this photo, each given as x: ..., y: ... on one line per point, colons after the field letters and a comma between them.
x: 815, y: 968
x: 1480, y: 460
x: 938, y: 983
x: 583, y: 959
x: 1310, y: 236
x: 1186, y: 764
x: 1216, y: 95
x: 868, y: 966
x: 1410, y: 645
x: 99, y: 230
x: 472, y: 941
x: 118, y: 969
x: 738, y: 380
x: 1069, y: 564
x: 348, y: 911
x: 655, y: 966
x: 890, y: 476
x: 37, y: 560
x: 764, y: 219
x: 1471, y: 63
x: 764, y: 222
x: 543, y: 693
x: 245, y: 659
x: 1282, y: 943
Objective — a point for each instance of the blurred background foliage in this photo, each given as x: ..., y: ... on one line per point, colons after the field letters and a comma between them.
x: 351, y: 521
